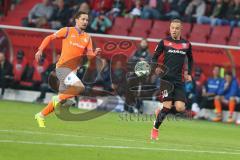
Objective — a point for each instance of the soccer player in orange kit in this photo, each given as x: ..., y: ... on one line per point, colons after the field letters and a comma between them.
x: 75, y: 43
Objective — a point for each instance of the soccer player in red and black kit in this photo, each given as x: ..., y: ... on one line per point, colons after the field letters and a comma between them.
x: 173, y: 51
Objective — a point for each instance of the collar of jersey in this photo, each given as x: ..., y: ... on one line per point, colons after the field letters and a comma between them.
x: 171, y: 39
x: 78, y: 30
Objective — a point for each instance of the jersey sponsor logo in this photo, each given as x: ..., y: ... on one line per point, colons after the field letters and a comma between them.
x: 176, y: 51
x: 73, y: 36
x: 76, y: 44
x: 213, y: 86
x: 184, y: 45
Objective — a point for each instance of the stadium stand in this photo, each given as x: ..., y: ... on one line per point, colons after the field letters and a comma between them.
x: 235, y: 37
x: 121, y: 26
x: 124, y: 26
x: 187, y: 30
x: 140, y: 30
x: 205, y: 57
x: 200, y: 33
x: 21, y: 10
x: 224, y: 31
x: 159, y: 29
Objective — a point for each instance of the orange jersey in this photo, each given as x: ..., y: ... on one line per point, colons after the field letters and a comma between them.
x: 74, y: 45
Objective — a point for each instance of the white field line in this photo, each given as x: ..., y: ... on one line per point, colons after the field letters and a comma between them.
x: 118, y: 147
x: 112, y: 139
x: 65, y: 135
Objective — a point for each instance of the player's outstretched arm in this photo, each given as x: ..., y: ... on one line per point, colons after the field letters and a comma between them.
x: 62, y: 33
x: 38, y: 55
x: 90, y: 53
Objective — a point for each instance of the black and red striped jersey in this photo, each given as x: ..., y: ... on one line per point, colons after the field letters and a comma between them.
x: 173, y: 53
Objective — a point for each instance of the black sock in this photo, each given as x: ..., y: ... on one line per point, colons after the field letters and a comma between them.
x: 161, y: 116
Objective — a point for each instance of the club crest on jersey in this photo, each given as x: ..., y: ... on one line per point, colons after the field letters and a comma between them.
x: 184, y: 45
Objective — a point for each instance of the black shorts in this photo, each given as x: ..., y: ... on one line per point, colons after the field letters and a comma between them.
x: 178, y: 93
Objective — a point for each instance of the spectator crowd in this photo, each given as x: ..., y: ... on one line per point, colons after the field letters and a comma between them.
x: 58, y: 13
x: 6, y: 5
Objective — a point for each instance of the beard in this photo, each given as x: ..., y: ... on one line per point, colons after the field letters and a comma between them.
x: 83, y: 28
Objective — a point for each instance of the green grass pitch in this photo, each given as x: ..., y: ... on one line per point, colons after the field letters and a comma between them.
x: 111, y: 138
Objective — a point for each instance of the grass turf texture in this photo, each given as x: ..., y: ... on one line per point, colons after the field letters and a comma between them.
x: 111, y: 137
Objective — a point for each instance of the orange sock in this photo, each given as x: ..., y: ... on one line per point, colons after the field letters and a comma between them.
x: 48, y: 109
x: 65, y: 96
x: 218, y: 106
x: 231, y: 106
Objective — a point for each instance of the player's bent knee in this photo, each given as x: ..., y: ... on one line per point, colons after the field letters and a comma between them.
x: 180, y: 108
x: 167, y: 104
x: 80, y: 88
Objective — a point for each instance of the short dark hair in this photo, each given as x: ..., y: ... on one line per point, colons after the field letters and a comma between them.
x: 176, y: 21
x: 78, y: 14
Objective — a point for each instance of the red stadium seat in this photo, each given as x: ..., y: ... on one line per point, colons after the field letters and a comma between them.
x: 157, y: 29
x: 121, y: 26
x: 186, y: 30
x: 235, y: 37
x: 159, y: 25
x: 160, y: 29
x: 234, y: 41
x: 141, y: 28
x: 123, y: 22
x: 158, y: 34
x: 128, y: 5
x: 137, y: 33
x: 20, y: 11
x: 200, y: 33
x: 115, y: 30
x: 220, y: 34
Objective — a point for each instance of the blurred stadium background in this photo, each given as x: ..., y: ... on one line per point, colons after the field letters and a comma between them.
x: 118, y: 27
